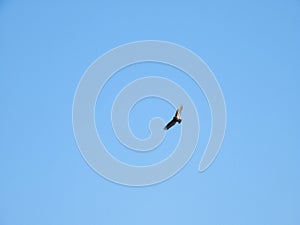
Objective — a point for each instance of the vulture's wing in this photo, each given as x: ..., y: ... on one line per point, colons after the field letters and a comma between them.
x: 178, y: 112
x: 170, y: 124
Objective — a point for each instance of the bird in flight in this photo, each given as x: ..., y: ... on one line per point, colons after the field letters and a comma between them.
x: 176, y: 118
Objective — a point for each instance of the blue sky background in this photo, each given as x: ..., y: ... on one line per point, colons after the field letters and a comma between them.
x: 252, y: 47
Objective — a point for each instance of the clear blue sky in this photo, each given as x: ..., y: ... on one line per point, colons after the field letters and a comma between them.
x: 252, y: 47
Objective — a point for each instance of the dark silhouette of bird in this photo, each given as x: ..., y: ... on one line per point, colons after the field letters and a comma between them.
x: 176, y: 118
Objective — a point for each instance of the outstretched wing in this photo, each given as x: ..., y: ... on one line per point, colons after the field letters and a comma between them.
x: 170, y: 124
x: 178, y: 112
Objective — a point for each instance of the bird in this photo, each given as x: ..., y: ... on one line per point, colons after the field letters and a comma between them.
x: 176, y: 118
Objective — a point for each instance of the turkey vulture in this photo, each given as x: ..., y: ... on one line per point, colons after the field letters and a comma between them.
x: 175, y: 119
